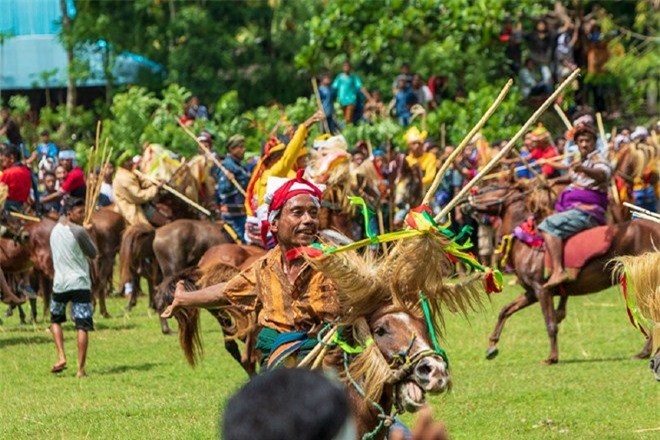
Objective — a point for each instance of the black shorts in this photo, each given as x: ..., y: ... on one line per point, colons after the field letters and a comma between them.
x: 82, y: 308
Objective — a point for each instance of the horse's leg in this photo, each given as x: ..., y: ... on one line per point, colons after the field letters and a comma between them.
x: 560, y: 312
x: 103, y: 288
x: 132, y: 298
x: 518, y: 304
x: 21, y: 315
x: 548, y: 309
x: 646, y: 351
x: 33, y: 310
x: 47, y: 291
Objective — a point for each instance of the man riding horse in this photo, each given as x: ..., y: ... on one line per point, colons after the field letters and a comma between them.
x: 581, y: 205
x: 131, y: 193
x: 293, y: 301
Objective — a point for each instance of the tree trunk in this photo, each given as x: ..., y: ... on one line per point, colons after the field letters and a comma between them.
x: 67, y: 39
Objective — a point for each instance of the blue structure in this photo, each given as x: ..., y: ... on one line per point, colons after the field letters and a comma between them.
x: 33, y: 47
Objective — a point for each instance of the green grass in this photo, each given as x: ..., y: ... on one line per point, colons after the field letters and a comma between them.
x: 141, y: 387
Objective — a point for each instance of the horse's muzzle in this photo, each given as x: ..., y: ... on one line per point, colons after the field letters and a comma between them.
x: 431, y: 375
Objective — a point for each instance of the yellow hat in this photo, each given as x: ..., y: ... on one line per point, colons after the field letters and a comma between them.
x: 414, y: 135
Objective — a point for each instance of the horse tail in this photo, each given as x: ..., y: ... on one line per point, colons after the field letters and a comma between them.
x: 135, y: 245
x: 188, y: 318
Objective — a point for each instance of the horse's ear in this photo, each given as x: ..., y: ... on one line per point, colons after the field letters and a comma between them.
x: 360, y: 291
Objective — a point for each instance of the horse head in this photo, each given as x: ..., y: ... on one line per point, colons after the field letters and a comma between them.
x: 538, y: 196
x: 415, y: 368
x: 394, y: 322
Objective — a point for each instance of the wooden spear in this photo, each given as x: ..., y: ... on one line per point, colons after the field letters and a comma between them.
x: 319, y: 348
x: 319, y: 104
x: 562, y: 116
x: 175, y: 193
x: 489, y: 166
x: 465, y: 141
x: 642, y: 210
x: 215, y: 160
x: 601, y: 128
x: 530, y: 165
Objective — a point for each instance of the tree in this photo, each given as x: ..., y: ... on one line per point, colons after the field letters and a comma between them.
x: 69, y: 45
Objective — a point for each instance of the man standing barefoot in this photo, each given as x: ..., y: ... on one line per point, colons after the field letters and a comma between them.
x: 71, y: 245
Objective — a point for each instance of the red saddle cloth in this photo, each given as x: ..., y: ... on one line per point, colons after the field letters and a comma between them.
x: 582, y: 247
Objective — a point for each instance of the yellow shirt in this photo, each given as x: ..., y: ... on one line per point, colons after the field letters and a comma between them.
x: 284, y: 166
x: 427, y: 163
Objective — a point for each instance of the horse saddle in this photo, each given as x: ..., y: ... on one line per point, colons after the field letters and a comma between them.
x: 582, y: 248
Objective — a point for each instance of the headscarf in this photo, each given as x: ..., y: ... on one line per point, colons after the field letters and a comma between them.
x: 280, y: 190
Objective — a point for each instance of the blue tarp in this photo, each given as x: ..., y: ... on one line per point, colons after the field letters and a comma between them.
x: 34, y: 48
x: 33, y: 17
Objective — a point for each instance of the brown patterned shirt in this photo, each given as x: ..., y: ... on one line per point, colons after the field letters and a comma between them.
x: 310, y: 301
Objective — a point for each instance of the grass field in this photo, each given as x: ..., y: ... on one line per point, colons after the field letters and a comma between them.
x: 140, y: 386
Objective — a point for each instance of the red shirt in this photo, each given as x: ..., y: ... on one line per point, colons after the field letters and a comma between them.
x: 19, y: 182
x: 547, y: 153
x: 73, y: 181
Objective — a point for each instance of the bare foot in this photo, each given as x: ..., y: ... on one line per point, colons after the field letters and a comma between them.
x: 176, y: 302
x: 556, y: 279
x: 81, y: 374
x: 59, y: 367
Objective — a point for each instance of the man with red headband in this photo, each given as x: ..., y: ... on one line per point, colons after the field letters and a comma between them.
x: 293, y: 301
x: 582, y: 205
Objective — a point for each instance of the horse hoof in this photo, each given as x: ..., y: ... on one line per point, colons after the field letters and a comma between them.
x: 550, y: 361
x: 492, y: 353
x: 169, y: 332
x: 642, y: 355
x: 106, y: 315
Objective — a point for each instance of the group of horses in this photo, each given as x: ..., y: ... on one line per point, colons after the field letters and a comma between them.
x: 397, y: 369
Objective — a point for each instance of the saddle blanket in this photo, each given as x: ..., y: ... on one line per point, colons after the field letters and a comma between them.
x: 583, y: 247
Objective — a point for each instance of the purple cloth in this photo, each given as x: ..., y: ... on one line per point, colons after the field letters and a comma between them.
x: 572, y: 198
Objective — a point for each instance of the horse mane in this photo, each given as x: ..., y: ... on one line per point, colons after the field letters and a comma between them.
x: 420, y: 265
x: 360, y: 289
x: 643, y: 277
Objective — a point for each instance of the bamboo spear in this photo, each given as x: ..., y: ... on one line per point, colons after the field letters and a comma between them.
x: 319, y: 349
x: 489, y: 166
x: 175, y: 193
x: 319, y: 104
x: 530, y: 165
x: 601, y: 128
x: 215, y: 160
x: 465, y: 141
x: 562, y: 116
x: 642, y: 210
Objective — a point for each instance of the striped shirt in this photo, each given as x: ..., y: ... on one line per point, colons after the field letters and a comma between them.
x: 310, y: 301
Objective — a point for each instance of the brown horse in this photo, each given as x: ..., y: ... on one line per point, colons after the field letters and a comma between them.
x: 178, y: 246
x: 107, y: 228
x: 629, y: 238
x: 34, y: 253
x: 219, y: 264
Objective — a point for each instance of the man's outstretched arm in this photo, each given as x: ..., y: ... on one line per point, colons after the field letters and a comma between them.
x: 208, y: 297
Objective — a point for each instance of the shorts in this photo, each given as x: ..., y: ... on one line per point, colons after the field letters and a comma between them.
x: 568, y: 223
x: 82, y: 308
